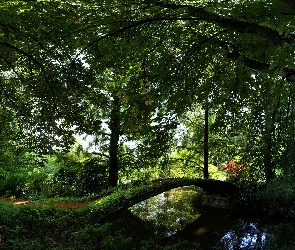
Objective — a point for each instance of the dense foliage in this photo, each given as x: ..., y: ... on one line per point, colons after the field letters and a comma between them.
x: 104, y: 73
x: 157, y: 89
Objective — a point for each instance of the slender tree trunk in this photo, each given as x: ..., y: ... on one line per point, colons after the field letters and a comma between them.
x: 114, y: 143
x: 268, y: 147
x: 206, y: 141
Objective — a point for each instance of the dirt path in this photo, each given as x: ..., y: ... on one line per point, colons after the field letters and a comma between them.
x: 74, y: 205
x: 15, y: 201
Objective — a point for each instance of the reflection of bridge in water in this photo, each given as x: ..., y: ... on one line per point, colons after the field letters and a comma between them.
x: 127, y: 198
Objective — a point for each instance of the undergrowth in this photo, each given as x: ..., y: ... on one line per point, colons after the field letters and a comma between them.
x: 98, y: 226
x: 35, y: 227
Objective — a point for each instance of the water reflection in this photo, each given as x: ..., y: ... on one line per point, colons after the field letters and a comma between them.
x: 220, y: 231
x: 169, y: 212
x: 245, y: 235
x: 172, y: 214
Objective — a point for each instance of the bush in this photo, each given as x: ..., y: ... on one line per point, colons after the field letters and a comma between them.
x: 93, y: 178
x: 278, y: 198
x: 84, y: 178
x: 12, y: 185
x: 103, y: 237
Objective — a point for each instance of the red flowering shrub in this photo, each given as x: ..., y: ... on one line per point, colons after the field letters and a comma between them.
x: 235, y: 170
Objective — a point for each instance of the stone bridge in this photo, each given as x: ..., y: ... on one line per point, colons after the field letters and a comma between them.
x: 126, y: 198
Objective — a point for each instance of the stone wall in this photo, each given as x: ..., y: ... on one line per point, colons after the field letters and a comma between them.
x: 216, y: 201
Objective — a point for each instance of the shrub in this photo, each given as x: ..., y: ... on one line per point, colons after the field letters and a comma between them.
x: 105, y: 236
x: 93, y: 177
x: 278, y: 198
x: 77, y: 180
x: 12, y: 185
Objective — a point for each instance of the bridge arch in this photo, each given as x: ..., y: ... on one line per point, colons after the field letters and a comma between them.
x: 127, y: 198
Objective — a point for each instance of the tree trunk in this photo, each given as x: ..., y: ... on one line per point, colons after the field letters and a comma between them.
x: 206, y: 141
x: 267, y: 154
x: 114, y: 143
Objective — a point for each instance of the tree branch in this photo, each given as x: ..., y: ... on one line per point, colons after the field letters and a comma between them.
x: 264, y: 32
x: 287, y: 74
x: 30, y: 57
x: 199, y: 13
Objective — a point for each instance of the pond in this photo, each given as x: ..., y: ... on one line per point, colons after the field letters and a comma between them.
x: 169, y: 212
x: 172, y: 215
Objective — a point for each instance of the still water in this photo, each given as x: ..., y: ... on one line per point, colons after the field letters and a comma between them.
x: 169, y: 212
x: 172, y: 215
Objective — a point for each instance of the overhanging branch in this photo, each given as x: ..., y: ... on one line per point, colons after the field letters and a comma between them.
x: 199, y: 13
x: 30, y: 57
x: 287, y: 74
x: 263, y: 32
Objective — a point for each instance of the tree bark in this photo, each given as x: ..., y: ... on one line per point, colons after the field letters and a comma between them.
x: 206, y: 141
x: 114, y: 126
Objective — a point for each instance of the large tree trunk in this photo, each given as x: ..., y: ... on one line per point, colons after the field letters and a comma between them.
x: 206, y: 141
x: 114, y: 143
